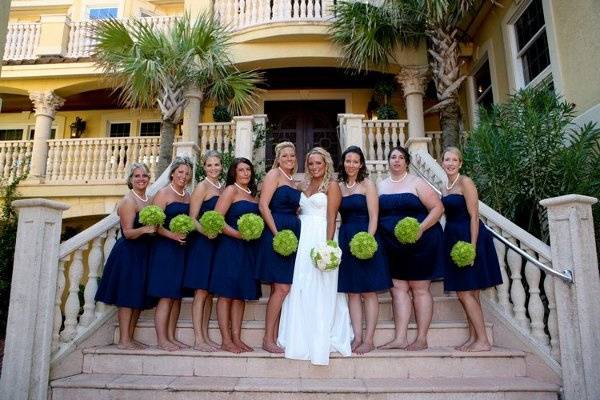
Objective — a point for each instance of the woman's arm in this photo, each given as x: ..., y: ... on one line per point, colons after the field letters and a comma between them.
x: 127, y: 210
x: 372, y: 205
x: 161, y: 200
x: 432, y: 202
x: 196, y: 200
x: 472, y: 200
x: 334, y: 198
x: 266, y: 194
x: 222, y: 207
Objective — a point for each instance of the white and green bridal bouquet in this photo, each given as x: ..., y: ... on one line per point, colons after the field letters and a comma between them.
x: 327, y: 257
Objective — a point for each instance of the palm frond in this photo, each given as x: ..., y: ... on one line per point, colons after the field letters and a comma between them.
x: 237, y: 89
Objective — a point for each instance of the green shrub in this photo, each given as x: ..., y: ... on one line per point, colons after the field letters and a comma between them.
x: 386, y: 111
x: 221, y: 114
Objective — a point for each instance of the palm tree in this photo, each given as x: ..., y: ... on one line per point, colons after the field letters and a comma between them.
x: 152, y: 67
x: 370, y: 36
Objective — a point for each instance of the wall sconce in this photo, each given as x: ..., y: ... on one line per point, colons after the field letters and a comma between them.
x: 77, y: 128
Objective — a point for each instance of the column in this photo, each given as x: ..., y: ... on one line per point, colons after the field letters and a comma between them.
x: 191, y: 115
x: 573, y: 247
x: 26, y: 365
x: 351, y: 131
x: 244, y: 143
x: 414, y: 82
x: 54, y: 35
x: 259, y: 154
x: 45, y: 105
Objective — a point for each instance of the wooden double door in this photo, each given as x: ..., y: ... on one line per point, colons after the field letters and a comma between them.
x: 307, y: 124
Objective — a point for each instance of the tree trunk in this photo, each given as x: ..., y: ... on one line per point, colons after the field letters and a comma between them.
x: 165, y: 154
x: 449, y: 120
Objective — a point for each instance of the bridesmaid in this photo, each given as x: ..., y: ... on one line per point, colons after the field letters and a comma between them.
x: 200, y: 251
x: 461, y: 203
x: 279, y: 202
x: 234, y: 262
x: 123, y: 282
x: 167, y: 258
x: 360, y: 278
x: 413, y: 266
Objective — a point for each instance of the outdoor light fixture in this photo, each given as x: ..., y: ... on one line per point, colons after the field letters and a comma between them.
x: 77, y: 128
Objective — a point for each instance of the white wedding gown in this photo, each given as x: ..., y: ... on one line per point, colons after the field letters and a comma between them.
x: 314, y: 318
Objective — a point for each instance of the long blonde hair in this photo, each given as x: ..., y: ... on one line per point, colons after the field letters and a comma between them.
x: 278, y: 149
x: 329, y: 171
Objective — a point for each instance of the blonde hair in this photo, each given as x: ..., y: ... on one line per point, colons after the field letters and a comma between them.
x: 454, y: 150
x: 278, y: 149
x: 131, y: 170
x: 329, y: 171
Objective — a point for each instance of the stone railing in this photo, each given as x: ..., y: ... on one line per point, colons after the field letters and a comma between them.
x: 21, y: 41
x: 14, y: 158
x: 219, y: 136
x: 101, y: 160
x: 435, y: 146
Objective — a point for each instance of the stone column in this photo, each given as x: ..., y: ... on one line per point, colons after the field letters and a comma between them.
x: 259, y: 154
x: 414, y: 144
x: 54, y: 35
x: 244, y: 143
x: 26, y: 364
x: 45, y: 105
x: 414, y: 81
x: 191, y: 115
x: 577, y: 307
x: 351, y: 134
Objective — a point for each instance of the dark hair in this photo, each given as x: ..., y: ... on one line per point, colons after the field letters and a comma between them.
x: 178, y: 162
x: 362, y: 172
x: 401, y: 150
x: 230, y: 180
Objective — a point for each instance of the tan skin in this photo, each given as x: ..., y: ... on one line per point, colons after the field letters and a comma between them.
x: 477, y: 340
x: 230, y: 312
x: 275, y: 178
x: 362, y: 344
x: 202, y: 304
x: 167, y: 310
x: 401, y: 291
x: 127, y: 209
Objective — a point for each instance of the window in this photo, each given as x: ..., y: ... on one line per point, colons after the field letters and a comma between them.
x: 32, y: 133
x: 149, y: 128
x: 11, y: 134
x: 102, y: 12
x: 119, y: 129
x: 532, y: 53
x: 484, y: 95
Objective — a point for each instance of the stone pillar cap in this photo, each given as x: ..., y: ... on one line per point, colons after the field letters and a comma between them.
x: 568, y: 198
x: 39, y: 202
x: 187, y: 144
x: 243, y: 118
x: 413, y: 140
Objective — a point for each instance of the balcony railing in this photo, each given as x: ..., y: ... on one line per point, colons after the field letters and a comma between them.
x: 14, y: 158
x: 21, y: 41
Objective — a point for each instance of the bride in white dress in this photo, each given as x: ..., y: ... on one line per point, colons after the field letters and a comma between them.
x: 314, y: 318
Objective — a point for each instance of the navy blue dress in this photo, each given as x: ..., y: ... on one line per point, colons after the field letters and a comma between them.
x: 485, y: 272
x: 359, y: 276
x: 200, y: 250
x: 423, y: 260
x: 272, y: 267
x: 167, y: 260
x: 124, y: 278
x: 234, y: 262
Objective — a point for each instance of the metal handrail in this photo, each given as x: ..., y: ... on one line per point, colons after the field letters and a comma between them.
x: 566, y: 274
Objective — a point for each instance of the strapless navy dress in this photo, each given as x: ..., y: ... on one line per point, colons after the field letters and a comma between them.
x: 167, y: 260
x: 485, y: 272
x: 270, y: 266
x: 125, y: 273
x: 200, y: 251
x: 423, y: 260
x: 359, y: 276
x: 234, y: 262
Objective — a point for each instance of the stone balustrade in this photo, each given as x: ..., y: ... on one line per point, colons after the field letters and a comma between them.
x: 218, y: 136
x: 15, y: 156
x: 435, y: 146
x: 22, y: 41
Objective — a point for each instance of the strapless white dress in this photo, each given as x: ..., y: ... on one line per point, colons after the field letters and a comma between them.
x: 314, y: 318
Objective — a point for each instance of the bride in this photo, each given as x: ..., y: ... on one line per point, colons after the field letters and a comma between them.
x: 314, y: 318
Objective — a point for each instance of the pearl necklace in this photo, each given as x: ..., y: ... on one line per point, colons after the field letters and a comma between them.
x: 242, y: 189
x: 139, y: 197
x: 453, y: 183
x: 290, y: 178
x: 401, y: 179
x: 173, y: 189
x: 350, y: 186
x: 211, y: 182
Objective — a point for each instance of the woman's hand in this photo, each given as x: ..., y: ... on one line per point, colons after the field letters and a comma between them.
x: 149, y: 229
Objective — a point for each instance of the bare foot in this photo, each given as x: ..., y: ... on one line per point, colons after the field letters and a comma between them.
x: 179, y: 344
x: 364, y: 348
x: 395, y: 344
x: 231, y: 347
x: 127, y: 346
x: 466, y: 344
x: 355, y: 344
x: 204, y: 347
x: 242, y: 345
x: 272, y: 348
x: 417, y: 345
x: 168, y: 346
x: 477, y: 345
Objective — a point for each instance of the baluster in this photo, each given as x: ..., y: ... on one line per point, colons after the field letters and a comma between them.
x: 535, y: 305
x: 552, y: 317
x: 318, y: 11
x: 70, y: 160
x: 371, y: 155
x: 14, y: 160
x: 128, y: 158
x: 121, y: 165
x: 232, y: 134
x: 50, y: 162
x: 517, y: 291
x: 394, y: 134
x: 295, y: 11
x: 303, y: 10
x: 2, y: 160
x: 277, y: 9
x: 62, y: 165
x: 95, y: 159
x: 287, y: 9
x: 22, y: 160
x: 502, y: 289
x: 60, y: 287
x: 114, y: 158
x: 72, y: 305
x: 386, y: 138
x: 402, y: 134
x: 226, y: 137
x: 211, y: 137
x: 378, y: 140
x: 147, y: 158
x: 219, y: 138
x: 87, y: 164
x: 81, y: 161
x: 91, y: 287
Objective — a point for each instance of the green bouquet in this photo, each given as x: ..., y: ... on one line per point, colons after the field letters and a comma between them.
x: 463, y: 254
x: 363, y: 246
x: 212, y: 223
x: 407, y: 230
x: 152, y: 215
x: 182, y: 224
x: 250, y: 226
x: 285, y: 242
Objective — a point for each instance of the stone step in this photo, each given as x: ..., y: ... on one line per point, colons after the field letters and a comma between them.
x: 441, y: 333
x: 153, y: 387
x: 445, y: 308
x: 434, y: 362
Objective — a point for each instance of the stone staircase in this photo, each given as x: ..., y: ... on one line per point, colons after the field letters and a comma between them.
x: 437, y: 373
